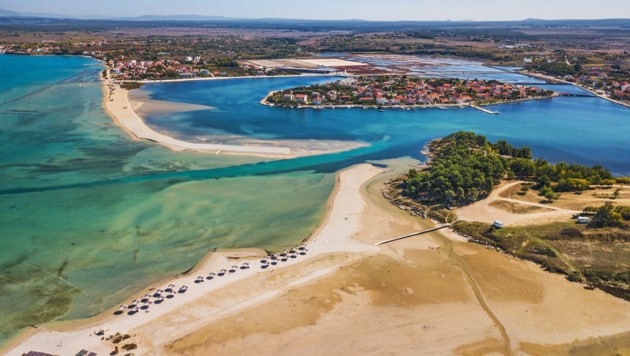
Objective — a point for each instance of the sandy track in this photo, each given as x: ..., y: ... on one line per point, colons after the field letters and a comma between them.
x: 483, y: 211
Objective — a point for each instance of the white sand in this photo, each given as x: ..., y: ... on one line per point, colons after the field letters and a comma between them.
x: 118, y: 106
x: 334, y: 235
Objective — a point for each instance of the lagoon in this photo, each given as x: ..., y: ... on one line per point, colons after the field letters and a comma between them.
x: 88, y: 216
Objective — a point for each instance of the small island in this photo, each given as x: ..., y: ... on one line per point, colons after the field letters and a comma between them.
x: 402, y: 91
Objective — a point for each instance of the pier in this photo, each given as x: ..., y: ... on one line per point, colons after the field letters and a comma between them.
x: 439, y: 227
x: 484, y: 110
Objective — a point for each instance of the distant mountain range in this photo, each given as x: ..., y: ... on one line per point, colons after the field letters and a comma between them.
x: 8, y: 13
x: 202, y: 18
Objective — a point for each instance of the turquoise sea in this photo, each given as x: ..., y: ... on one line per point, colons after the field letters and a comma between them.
x: 88, y: 216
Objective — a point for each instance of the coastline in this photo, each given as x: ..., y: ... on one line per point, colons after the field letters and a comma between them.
x: 333, y: 236
x: 475, y: 106
x: 117, y: 105
x: 435, y: 293
x: 553, y: 80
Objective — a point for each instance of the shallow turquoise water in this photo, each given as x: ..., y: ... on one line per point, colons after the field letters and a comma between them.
x: 88, y: 215
x: 124, y: 212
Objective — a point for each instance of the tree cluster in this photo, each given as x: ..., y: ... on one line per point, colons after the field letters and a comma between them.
x: 609, y: 215
x: 465, y: 168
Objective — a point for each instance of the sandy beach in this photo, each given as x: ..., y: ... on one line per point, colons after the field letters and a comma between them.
x: 122, y: 110
x: 430, y: 294
x: 333, y: 236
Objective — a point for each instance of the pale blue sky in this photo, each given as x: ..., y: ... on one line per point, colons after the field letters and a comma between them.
x: 336, y: 9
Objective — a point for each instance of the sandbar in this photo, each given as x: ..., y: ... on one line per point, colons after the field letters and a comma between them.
x: 121, y: 109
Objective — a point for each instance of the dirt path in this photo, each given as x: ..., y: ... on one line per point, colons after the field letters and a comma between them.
x: 483, y: 210
x: 447, y: 252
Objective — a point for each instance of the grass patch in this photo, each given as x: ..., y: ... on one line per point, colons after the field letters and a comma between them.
x: 599, y: 257
x: 515, y: 208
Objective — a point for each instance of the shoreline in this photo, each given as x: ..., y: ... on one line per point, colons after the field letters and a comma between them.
x: 553, y: 80
x: 356, y: 216
x: 334, y: 235
x: 120, y: 109
x: 475, y: 106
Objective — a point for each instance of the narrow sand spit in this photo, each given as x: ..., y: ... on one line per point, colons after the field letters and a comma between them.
x: 342, y: 221
x: 117, y: 105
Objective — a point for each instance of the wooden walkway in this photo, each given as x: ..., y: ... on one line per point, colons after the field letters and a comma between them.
x: 439, y: 227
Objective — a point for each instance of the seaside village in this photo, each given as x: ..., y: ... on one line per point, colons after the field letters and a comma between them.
x: 402, y: 90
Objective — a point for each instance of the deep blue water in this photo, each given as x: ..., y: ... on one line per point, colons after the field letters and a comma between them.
x: 585, y: 130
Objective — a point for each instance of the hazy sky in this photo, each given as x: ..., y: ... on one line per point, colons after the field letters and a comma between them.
x: 336, y: 9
